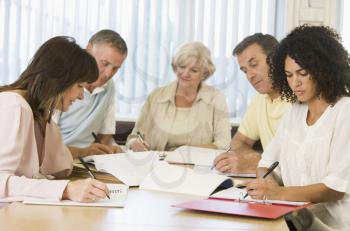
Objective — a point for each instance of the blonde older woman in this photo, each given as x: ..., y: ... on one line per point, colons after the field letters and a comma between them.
x: 187, y: 111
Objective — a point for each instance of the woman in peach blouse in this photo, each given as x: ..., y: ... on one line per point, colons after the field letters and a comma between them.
x: 32, y: 152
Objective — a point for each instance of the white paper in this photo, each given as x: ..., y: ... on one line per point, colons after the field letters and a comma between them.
x: 238, y: 194
x: 243, y: 175
x: 130, y: 168
x: 118, y: 195
x: 178, y: 179
x: 193, y: 155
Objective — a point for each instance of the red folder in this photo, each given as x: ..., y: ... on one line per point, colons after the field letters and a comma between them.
x: 236, y: 207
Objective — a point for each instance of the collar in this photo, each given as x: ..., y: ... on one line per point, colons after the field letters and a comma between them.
x: 268, y: 98
x: 97, y: 89
x: 169, y: 91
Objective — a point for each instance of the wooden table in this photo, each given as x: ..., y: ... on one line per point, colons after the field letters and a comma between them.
x: 144, y: 210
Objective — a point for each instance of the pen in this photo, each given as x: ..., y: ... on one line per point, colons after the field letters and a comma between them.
x: 213, y: 166
x: 269, y: 170
x: 141, y: 139
x: 96, y: 137
x: 88, y: 169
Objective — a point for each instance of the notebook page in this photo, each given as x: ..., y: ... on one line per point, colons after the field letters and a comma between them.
x: 178, y: 179
x: 130, y: 168
x: 193, y: 155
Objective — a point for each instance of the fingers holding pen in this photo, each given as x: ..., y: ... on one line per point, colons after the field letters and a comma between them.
x: 88, y: 190
x: 139, y: 146
x: 264, y: 189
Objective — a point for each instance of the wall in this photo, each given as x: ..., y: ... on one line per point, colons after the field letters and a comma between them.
x: 314, y: 12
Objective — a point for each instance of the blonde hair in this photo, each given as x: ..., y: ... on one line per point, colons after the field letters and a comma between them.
x: 195, y: 50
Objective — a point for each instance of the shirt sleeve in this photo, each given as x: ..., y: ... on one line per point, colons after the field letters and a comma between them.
x: 338, y: 169
x: 222, y: 127
x: 16, y: 125
x: 141, y: 121
x: 108, y: 127
x: 249, y: 125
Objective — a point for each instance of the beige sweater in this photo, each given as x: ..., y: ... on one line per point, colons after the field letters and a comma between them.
x: 209, y: 113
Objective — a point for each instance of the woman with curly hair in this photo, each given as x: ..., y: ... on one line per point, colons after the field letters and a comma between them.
x: 310, y: 68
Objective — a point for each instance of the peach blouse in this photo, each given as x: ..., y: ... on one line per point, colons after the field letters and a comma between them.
x: 29, y: 158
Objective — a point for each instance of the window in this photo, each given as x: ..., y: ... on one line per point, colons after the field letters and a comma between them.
x: 345, y: 26
x: 153, y: 29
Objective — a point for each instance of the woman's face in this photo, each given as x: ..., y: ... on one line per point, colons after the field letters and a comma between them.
x: 190, y: 74
x: 300, y: 81
x: 71, y: 94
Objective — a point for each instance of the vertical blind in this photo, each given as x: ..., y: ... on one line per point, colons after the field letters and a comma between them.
x: 152, y: 29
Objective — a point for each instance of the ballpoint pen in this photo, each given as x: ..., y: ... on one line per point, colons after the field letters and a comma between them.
x: 213, y: 166
x: 88, y: 169
x: 96, y: 137
x: 140, y: 137
x: 269, y: 170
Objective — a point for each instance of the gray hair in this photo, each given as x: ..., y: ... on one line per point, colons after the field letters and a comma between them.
x: 198, y: 51
x: 110, y: 37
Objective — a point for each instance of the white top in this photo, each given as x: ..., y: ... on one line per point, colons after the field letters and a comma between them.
x: 316, y: 154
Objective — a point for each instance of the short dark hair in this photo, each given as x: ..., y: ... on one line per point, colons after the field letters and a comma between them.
x: 319, y: 51
x: 265, y: 41
x: 56, y: 66
x: 110, y: 37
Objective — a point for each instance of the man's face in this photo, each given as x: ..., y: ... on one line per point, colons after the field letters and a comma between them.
x: 108, y: 59
x: 252, y: 61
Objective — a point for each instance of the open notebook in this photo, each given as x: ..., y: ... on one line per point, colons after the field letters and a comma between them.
x: 193, y: 155
x: 203, y: 157
x: 178, y: 179
x: 130, y: 168
x: 118, y: 195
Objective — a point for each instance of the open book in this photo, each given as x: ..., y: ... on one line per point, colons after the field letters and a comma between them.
x: 130, y: 168
x: 193, y: 155
x: 200, y: 157
x: 177, y: 179
x: 118, y: 195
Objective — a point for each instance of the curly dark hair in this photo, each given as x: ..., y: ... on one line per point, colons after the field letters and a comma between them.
x: 319, y: 51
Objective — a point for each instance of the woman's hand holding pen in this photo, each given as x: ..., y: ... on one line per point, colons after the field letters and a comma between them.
x: 139, y: 146
x: 88, y: 190
x: 264, y: 189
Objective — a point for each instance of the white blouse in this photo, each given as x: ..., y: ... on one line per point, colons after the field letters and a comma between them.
x: 316, y: 154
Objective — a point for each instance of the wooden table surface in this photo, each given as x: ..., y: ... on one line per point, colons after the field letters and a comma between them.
x: 144, y: 210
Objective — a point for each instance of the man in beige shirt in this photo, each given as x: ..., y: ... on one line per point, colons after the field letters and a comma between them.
x: 264, y: 113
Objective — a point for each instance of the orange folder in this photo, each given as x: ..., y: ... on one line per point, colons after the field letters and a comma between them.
x: 236, y: 207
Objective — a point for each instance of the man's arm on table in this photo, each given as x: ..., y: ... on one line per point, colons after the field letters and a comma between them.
x: 242, y: 158
x: 103, y: 147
